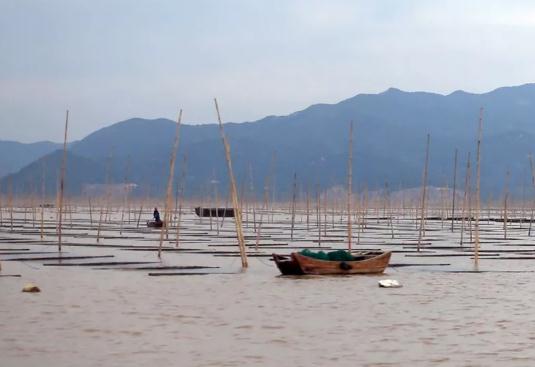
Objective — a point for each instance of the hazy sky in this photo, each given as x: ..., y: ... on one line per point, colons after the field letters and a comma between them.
x: 111, y: 60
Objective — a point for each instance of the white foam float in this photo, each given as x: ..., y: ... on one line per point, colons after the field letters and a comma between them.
x: 389, y: 283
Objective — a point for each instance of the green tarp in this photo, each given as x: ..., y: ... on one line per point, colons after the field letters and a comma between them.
x: 338, y: 255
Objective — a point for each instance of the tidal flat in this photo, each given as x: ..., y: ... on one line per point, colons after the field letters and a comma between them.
x: 101, y: 305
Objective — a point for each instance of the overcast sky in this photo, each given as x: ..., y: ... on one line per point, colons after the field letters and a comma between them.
x: 111, y: 60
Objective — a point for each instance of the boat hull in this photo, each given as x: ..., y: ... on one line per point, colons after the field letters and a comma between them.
x: 372, y: 265
x: 154, y: 224
x: 287, y: 264
x: 214, y: 212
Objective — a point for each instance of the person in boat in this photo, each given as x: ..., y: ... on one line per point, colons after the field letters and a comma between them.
x: 156, y: 215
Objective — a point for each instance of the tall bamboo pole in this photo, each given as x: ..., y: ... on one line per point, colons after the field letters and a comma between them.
x: 125, y: 189
x: 181, y: 194
x: 90, y: 212
x: 454, y: 190
x: 478, y: 189
x: 62, y: 181
x: 532, y: 185
x: 505, y: 202
x: 168, y: 194
x: 349, y: 187
x: 1, y: 219
x: 318, y: 213
x: 42, y: 231
x: 233, y: 192
x: 107, y: 196
x: 466, y: 195
x: 10, y: 203
x: 424, y: 192
x: 308, y: 209
x: 294, y: 195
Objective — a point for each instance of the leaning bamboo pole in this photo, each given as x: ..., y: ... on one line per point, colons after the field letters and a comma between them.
x: 424, y: 193
x: 62, y: 181
x: 168, y: 194
x: 478, y: 189
x: 349, y: 187
x: 233, y: 192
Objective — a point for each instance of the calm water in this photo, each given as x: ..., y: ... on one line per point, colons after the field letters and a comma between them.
x: 87, y: 317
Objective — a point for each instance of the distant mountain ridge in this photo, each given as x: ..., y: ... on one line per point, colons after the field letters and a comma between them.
x: 16, y: 155
x: 389, y: 145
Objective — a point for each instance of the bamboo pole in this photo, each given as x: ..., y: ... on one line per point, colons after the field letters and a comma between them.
x: 389, y: 210
x: 168, y: 194
x: 424, y: 193
x: 533, y: 185
x: 233, y: 192
x: 294, y: 194
x: 125, y: 189
x: 1, y: 208
x: 139, y: 215
x: 90, y: 212
x: 181, y: 193
x: 62, y: 181
x: 505, y: 199
x: 43, y: 193
x: 308, y: 209
x: 33, y: 197
x: 349, y: 187
x: 478, y: 189
x: 318, y: 212
x: 107, y: 195
x: 466, y: 195
x: 10, y: 203
x: 250, y: 195
x: 454, y: 190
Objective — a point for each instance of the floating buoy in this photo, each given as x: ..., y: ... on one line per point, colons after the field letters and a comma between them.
x: 389, y: 283
x: 31, y: 288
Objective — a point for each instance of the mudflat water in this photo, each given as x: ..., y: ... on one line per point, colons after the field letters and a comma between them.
x: 112, y: 316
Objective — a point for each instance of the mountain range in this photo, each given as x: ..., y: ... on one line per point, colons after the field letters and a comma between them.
x: 390, y: 130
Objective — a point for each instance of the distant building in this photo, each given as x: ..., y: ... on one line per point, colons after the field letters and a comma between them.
x: 112, y: 190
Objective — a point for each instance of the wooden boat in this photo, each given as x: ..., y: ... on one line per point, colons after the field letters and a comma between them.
x: 154, y: 224
x: 214, y: 212
x: 365, y: 263
x: 287, y: 264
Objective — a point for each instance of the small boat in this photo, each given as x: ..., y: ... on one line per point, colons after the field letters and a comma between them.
x: 214, y: 212
x: 374, y: 262
x: 287, y: 264
x: 154, y: 224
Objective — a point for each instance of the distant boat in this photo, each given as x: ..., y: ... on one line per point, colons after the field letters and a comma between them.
x: 154, y: 224
x: 214, y: 212
x: 374, y: 262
